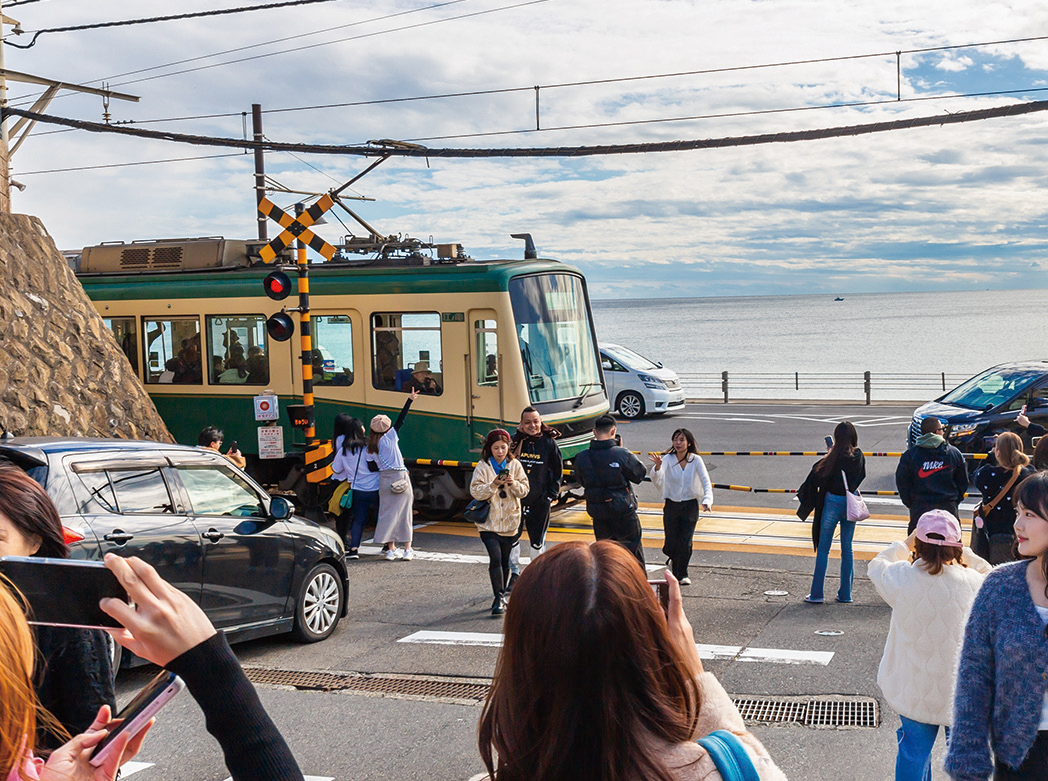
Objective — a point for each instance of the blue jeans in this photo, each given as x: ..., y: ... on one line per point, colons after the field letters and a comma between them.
x: 834, y: 512
x: 914, y: 760
x: 362, y: 502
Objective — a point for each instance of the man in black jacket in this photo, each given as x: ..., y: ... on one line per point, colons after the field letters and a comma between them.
x: 931, y: 475
x: 605, y: 471
x: 535, y: 444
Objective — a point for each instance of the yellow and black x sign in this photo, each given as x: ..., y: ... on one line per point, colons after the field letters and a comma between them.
x: 295, y: 228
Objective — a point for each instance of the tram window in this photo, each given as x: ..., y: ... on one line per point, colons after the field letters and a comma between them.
x: 487, y: 352
x: 555, y: 336
x: 237, y: 350
x: 332, y: 350
x: 407, y: 352
x: 125, y: 331
x: 172, y: 348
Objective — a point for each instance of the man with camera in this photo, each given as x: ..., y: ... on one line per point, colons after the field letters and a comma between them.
x: 606, y: 471
x: 422, y: 380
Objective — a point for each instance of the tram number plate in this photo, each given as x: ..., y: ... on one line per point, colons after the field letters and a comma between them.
x: 452, y: 317
x: 270, y: 441
x: 266, y: 408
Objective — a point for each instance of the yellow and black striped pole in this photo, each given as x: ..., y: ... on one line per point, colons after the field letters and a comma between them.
x: 306, y: 336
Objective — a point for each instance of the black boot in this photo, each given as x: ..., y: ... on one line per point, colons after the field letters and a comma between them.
x: 498, y: 607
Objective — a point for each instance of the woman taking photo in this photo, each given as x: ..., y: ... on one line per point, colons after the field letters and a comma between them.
x: 353, y: 464
x: 593, y: 682
x: 500, y: 480
x: 685, y: 484
x: 1000, y: 719
x: 395, y: 497
x: 823, y: 492
x: 993, y: 537
x: 74, y: 674
x: 930, y: 581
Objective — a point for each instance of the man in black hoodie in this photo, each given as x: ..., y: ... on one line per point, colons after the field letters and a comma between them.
x: 931, y: 475
x: 605, y: 471
x: 536, y: 446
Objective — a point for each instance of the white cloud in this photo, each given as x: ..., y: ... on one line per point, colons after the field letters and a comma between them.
x: 958, y: 204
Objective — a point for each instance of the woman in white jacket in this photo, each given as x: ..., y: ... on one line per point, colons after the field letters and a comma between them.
x: 930, y: 581
x: 501, y: 480
x: 684, y: 481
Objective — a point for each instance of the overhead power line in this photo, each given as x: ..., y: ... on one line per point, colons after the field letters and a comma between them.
x: 400, y: 149
x: 152, y: 19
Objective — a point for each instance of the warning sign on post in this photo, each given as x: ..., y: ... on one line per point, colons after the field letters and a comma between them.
x: 266, y: 408
x: 270, y: 442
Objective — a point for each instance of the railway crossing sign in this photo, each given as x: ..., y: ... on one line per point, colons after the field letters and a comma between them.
x: 295, y: 228
x: 266, y: 408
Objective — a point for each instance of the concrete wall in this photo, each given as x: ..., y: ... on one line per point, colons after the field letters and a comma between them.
x: 61, y: 371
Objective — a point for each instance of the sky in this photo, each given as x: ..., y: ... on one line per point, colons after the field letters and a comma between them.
x: 958, y: 207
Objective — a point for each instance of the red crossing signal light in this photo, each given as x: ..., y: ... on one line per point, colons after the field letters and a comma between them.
x: 277, y: 285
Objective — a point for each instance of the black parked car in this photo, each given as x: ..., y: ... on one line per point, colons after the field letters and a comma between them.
x: 986, y: 405
x: 207, y: 527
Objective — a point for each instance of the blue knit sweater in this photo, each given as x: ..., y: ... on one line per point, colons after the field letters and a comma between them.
x: 1002, y: 677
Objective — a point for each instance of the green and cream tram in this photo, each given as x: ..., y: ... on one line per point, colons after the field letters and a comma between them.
x: 494, y: 336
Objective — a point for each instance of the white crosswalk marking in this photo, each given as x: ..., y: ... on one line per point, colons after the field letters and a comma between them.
x: 719, y: 652
x: 130, y: 768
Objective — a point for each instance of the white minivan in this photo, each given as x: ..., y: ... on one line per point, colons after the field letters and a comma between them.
x: 637, y: 385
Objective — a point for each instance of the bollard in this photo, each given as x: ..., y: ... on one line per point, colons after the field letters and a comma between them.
x: 944, y: 382
x: 724, y: 385
x: 796, y: 380
x: 866, y: 384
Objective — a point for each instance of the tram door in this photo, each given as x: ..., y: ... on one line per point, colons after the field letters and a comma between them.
x: 482, y: 376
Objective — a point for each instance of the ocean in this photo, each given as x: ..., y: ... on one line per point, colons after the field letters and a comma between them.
x: 908, y: 334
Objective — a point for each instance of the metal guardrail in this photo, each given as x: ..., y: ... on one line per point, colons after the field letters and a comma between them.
x: 888, y: 386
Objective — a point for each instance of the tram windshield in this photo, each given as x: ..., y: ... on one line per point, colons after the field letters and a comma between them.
x: 555, y: 336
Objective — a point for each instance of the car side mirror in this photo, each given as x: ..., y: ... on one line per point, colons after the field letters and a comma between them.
x: 280, y: 509
x: 659, y: 364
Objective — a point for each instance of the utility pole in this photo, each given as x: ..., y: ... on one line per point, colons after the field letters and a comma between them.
x: 5, y: 157
x: 260, y: 168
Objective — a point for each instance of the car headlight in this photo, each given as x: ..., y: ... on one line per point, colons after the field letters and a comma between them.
x: 962, y: 430
x: 651, y: 382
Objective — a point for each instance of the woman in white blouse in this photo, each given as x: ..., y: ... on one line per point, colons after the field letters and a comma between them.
x: 685, y: 483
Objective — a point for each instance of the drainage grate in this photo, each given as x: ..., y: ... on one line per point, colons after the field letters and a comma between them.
x: 806, y: 711
x: 818, y: 712
x: 420, y: 686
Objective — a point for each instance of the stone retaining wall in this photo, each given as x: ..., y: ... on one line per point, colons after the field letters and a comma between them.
x: 61, y: 371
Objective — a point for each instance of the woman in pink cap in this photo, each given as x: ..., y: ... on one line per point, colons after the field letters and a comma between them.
x: 395, y: 496
x: 930, y: 580
x: 501, y: 480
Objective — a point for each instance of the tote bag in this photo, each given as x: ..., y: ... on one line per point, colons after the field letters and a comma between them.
x: 857, y: 510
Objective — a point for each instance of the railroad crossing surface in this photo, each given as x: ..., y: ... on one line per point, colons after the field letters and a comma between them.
x: 395, y: 693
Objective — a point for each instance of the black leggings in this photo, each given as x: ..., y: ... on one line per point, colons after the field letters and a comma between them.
x: 498, y: 559
x: 1033, y: 768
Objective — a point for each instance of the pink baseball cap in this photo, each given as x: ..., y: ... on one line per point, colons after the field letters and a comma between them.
x: 945, y: 527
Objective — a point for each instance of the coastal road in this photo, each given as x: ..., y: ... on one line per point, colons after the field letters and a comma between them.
x: 428, y: 620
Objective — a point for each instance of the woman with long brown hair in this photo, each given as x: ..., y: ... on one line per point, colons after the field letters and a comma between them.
x: 993, y: 537
x: 824, y: 492
x: 595, y: 683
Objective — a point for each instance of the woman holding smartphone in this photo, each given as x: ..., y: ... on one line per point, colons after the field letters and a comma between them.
x: 353, y: 464
x: 500, y: 479
x: 681, y: 475
x: 74, y: 674
x: 1000, y: 718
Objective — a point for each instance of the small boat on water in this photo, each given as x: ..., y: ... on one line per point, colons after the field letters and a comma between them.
x: 838, y: 298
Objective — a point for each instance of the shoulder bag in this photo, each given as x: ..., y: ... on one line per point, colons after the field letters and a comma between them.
x: 983, y: 510
x: 728, y: 754
x: 995, y: 548
x: 857, y: 510
x: 477, y: 511
x: 346, y: 502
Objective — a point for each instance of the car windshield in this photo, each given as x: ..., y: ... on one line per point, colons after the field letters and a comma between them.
x: 630, y: 358
x: 992, y: 388
x: 555, y: 335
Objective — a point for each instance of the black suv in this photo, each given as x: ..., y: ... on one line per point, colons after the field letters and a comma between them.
x: 980, y: 408
x: 207, y: 527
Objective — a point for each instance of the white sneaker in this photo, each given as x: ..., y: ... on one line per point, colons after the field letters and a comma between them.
x: 391, y: 555
x: 685, y: 581
x: 409, y: 554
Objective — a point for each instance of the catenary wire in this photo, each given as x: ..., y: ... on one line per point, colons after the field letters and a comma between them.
x: 153, y: 19
x: 376, y: 150
x: 127, y: 165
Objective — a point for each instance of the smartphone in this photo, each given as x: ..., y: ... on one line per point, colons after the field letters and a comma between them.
x: 662, y: 593
x: 829, y: 442
x: 1023, y: 410
x: 64, y: 592
x: 618, y: 440
x: 235, y: 447
x: 133, y: 717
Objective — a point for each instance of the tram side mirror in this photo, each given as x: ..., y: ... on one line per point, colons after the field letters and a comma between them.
x: 280, y: 509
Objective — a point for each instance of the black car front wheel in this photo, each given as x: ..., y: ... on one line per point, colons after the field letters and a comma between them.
x: 319, y: 604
